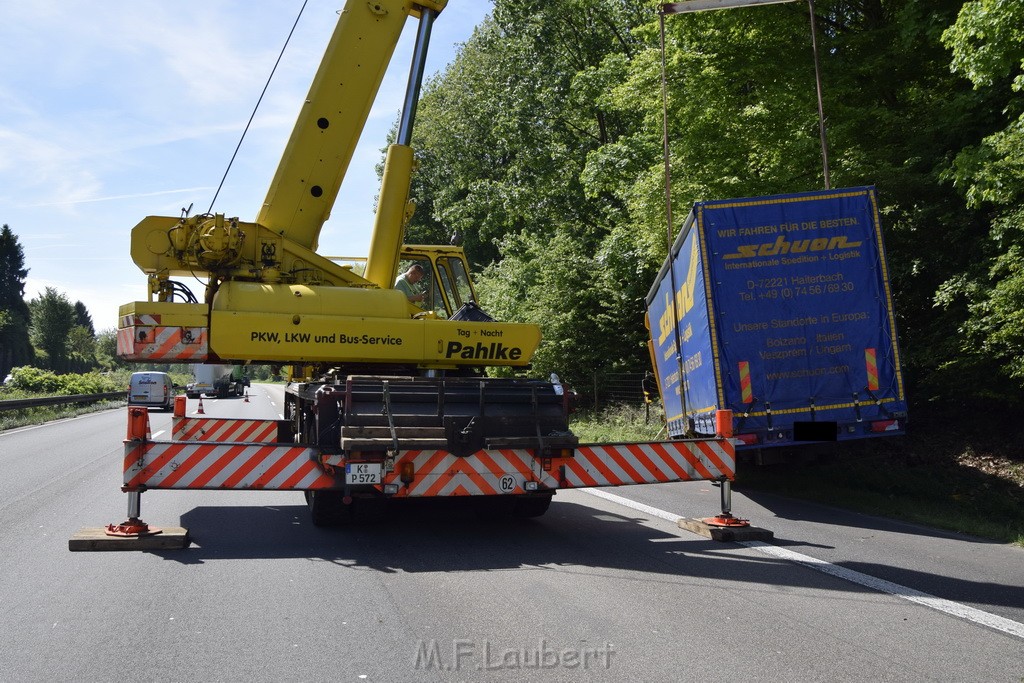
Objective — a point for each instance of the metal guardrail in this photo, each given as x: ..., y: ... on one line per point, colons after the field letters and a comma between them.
x: 20, y: 403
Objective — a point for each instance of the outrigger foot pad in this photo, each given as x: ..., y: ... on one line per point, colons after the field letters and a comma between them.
x: 132, y: 528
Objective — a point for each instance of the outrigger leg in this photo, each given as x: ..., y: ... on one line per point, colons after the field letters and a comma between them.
x: 726, y: 518
x: 133, y: 527
x: 133, y: 533
x: 726, y: 527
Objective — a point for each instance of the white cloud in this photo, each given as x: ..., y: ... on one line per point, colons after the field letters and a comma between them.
x: 114, y: 110
x: 33, y: 167
x: 129, y: 196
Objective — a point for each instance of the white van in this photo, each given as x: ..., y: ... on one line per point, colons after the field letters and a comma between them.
x: 153, y: 389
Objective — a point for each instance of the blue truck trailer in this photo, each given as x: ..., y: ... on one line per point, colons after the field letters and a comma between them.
x: 778, y: 309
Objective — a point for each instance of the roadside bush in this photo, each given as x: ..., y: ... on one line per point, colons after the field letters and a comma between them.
x: 35, y: 381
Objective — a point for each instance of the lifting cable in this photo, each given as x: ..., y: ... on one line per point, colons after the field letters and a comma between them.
x: 670, y: 233
x: 254, y: 109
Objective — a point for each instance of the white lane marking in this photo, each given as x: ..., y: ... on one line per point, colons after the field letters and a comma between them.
x: 654, y: 512
x: 994, y: 621
x: 978, y: 616
x: 27, y: 428
x: 156, y: 434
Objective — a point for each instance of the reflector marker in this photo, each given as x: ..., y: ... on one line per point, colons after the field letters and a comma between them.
x: 217, y: 465
x: 746, y: 392
x: 871, y: 363
x: 643, y: 457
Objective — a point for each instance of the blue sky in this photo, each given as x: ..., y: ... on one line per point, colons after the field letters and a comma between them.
x: 111, y: 111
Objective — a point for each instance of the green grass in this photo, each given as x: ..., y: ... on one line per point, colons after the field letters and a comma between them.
x: 948, y: 472
x: 12, y: 419
x: 618, y: 424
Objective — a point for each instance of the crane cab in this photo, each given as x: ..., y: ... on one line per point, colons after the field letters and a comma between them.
x: 446, y: 285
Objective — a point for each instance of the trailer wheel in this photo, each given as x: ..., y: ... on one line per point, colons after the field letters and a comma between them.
x: 369, y: 510
x: 532, y: 506
x: 327, y: 508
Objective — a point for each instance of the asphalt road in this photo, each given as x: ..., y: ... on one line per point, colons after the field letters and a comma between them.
x: 594, y: 590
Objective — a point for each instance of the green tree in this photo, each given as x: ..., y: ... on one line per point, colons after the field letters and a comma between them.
x: 505, y: 131
x: 987, y: 44
x: 743, y: 122
x: 542, y: 145
x: 53, y: 318
x: 503, y: 140
x: 106, y: 350
x: 81, y: 349
x: 15, y: 347
x: 83, y: 318
x: 82, y: 341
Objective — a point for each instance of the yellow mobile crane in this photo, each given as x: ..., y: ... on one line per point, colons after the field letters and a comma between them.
x: 271, y: 297
x: 388, y: 398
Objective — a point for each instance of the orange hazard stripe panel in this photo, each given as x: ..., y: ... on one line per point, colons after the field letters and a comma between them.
x: 496, y: 472
x: 871, y: 363
x: 166, y: 465
x: 484, y: 473
x: 746, y: 393
x: 162, y: 343
x: 224, y: 430
x: 213, y: 465
x: 124, y: 341
x: 151, y: 319
x: 648, y: 463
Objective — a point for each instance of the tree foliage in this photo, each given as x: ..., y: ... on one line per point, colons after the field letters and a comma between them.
x: 53, y: 318
x: 15, y: 348
x: 542, y: 145
x: 48, y: 330
x: 84, y: 319
x: 106, y: 350
x: 504, y: 136
x: 987, y: 44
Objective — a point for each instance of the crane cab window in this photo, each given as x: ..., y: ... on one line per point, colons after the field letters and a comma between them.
x: 460, y: 286
x: 418, y: 281
x: 444, y: 286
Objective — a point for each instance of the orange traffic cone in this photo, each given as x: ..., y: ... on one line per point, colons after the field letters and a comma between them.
x: 200, y: 411
x: 246, y: 395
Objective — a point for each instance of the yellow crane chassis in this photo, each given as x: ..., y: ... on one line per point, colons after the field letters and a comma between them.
x: 279, y: 323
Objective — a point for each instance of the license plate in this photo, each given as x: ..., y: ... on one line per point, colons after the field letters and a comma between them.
x: 362, y: 473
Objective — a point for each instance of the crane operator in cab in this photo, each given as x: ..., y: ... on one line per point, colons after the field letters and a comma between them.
x: 405, y: 281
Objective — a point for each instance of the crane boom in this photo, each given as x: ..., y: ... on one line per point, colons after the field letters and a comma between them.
x: 333, y: 115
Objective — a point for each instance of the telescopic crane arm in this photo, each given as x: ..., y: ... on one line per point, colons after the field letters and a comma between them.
x: 334, y: 114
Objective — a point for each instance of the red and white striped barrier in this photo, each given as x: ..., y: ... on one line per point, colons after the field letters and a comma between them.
x: 220, y: 430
